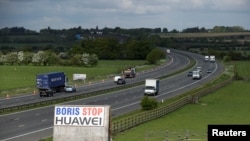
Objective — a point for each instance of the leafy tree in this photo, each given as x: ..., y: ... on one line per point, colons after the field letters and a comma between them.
x: 211, y: 51
x: 157, y: 30
x: 52, y: 58
x: 155, y: 55
x: 104, y: 48
x: 174, y: 31
x: 11, y: 58
x: 226, y: 59
x: 2, y: 58
x: 45, y: 56
x: 85, y: 59
x: 36, y: 59
x: 165, y: 30
x: 191, y: 30
x: 40, y: 58
x: 20, y: 57
x: 77, y: 49
x: 93, y: 60
x: 89, y: 60
x: 6, y: 49
x: 167, y: 42
x: 76, y: 60
x: 27, y: 58
x: 148, y: 103
x: 63, y: 55
x: 138, y: 49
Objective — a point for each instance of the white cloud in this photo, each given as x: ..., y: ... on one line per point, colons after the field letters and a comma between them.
x: 231, y: 5
x: 126, y: 4
x: 179, y: 14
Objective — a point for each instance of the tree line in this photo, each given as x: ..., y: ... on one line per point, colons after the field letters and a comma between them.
x: 87, y: 53
x: 117, y: 30
x: 78, y: 46
x: 45, y: 58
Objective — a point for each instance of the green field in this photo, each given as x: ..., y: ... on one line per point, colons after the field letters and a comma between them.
x: 210, y: 34
x: 24, y: 76
x: 229, y: 105
x: 243, y: 69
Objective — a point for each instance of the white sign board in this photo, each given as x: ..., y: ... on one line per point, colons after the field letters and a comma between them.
x: 79, y: 76
x: 81, y: 123
x: 79, y: 116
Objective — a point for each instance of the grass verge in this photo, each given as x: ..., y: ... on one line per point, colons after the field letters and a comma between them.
x: 225, y: 106
x: 70, y: 98
x: 171, y: 127
x: 18, y: 80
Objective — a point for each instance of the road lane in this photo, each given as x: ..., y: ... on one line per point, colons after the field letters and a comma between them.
x: 41, y: 120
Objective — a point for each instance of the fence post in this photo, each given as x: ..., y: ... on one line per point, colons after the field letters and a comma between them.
x: 195, y: 99
x: 166, y: 135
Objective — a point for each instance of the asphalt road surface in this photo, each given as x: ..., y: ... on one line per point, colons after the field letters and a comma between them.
x: 38, y: 123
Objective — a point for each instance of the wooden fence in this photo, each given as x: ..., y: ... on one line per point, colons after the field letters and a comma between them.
x: 137, y: 119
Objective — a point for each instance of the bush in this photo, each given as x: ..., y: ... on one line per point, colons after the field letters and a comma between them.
x: 237, y: 76
x: 227, y: 58
x: 148, y: 103
x: 155, y: 55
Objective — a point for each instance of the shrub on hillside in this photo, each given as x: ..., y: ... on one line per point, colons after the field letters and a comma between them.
x: 148, y: 103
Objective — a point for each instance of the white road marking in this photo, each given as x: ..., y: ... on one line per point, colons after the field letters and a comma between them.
x: 111, y: 110
x: 21, y: 125
x: 44, y: 120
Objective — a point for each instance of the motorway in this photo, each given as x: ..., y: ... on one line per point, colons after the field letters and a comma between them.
x: 31, y: 98
x: 35, y: 124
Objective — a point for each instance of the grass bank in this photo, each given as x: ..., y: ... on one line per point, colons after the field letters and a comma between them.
x: 21, y: 79
x: 229, y: 105
x: 210, y: 34
x: 243, y: 69
x: 225, y: 106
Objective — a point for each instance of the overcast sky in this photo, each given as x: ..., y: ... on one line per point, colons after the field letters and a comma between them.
x: 171, y: 14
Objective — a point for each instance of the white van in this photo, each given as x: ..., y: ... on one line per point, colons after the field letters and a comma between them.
x: 116, y: 78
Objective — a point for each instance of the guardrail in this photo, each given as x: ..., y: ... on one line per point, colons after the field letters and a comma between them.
x: 47, y: 102
x: 134, y: 120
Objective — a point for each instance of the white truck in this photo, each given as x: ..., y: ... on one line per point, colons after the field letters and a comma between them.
x: 206, y: 58
x: 197, y: 75
x: 129, y: 73
x: 151, y: 86
x: 212, y: 58
x: 168, y: 51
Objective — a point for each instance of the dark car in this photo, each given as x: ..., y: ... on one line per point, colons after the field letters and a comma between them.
x: 190, y: 73
x: 121, y: 81
x: 209, y: 70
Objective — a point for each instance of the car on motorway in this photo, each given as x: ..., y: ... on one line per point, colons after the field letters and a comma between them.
x: 69, y: 89
x: 121, y: 81
x: 190, y: 73
x: 116, y: 114
x: 209, y: 70
x: 116, y: 78
x: 196, y: 75
x: 198, y: 69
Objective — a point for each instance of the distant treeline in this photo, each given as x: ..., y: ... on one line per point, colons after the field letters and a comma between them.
x: 116, y: 30
x: 116, y: 43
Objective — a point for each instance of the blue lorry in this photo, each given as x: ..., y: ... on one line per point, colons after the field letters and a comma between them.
x: 50, y: 83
